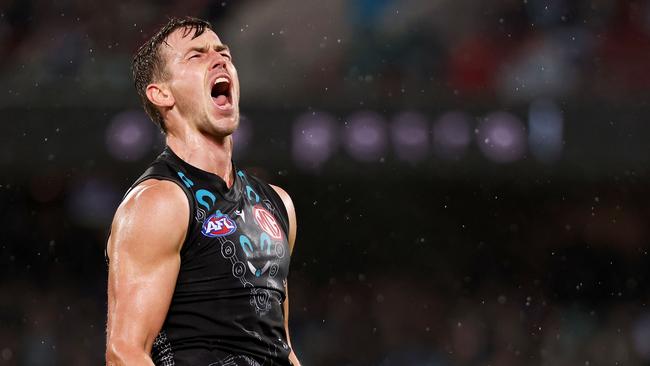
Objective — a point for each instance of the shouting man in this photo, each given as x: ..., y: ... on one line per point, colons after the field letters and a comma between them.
x: 199, y: 250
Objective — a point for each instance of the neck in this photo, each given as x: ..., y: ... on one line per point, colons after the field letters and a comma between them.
x: 205, y: 152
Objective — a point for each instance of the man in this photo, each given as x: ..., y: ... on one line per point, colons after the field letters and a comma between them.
x: 199, y: 250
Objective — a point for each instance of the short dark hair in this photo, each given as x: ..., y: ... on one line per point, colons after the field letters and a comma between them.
x: 148, y: 65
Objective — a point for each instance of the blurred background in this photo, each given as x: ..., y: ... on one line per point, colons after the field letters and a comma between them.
x: 471, y: 178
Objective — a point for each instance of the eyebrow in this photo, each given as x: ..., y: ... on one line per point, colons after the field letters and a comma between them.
x: 205, y: 48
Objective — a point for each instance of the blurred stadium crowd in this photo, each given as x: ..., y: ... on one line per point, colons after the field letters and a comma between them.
x: 470, y: 177
x: 379, y: 52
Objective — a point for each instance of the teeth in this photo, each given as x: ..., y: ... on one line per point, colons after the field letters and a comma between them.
x: 221, y: 80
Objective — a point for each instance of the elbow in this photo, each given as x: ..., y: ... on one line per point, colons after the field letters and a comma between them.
x: 120, y: 352
x: 115, y: 353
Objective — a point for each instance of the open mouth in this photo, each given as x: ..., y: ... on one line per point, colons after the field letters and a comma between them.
x: 221, y: 94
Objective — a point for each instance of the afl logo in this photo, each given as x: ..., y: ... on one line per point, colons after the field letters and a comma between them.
x: 267, y: 222
x: 216, y: 225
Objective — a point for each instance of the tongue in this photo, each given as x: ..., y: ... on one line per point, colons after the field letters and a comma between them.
x: 221, y: 100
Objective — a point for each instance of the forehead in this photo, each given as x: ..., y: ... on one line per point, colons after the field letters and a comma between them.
x: 180, y: 41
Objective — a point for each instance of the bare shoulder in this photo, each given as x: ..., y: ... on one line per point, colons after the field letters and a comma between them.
x: 154, y: 211
x: 291, y: 212
x: 162, y: 191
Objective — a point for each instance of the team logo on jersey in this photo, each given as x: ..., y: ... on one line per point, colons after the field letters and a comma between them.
x: 267, y: 222
x: 218, y: 225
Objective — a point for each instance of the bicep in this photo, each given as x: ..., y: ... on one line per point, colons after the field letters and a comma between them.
x: 144, y: 260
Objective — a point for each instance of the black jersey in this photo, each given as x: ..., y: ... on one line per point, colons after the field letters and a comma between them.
x: 227, y: 307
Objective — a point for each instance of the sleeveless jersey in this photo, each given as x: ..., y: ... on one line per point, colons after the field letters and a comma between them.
x: 227, y: 307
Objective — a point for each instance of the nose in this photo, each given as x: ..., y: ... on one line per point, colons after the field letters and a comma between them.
x: 218, y: 60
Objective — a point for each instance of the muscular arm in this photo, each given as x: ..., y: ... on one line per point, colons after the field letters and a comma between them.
x: 144, y: 259
x: 291, y: 212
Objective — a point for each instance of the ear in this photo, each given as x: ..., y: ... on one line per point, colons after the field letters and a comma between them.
x: 160, y: 96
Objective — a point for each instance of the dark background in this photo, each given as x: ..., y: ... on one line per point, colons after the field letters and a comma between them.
x: 470, y: 178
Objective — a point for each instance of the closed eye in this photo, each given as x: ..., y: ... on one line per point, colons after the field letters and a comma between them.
x: 195, y: 55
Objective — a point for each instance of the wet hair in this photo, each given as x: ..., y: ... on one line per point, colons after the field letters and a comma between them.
x: 148, y: 64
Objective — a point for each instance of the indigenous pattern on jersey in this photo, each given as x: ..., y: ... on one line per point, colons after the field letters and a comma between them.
x: 227, y: 307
